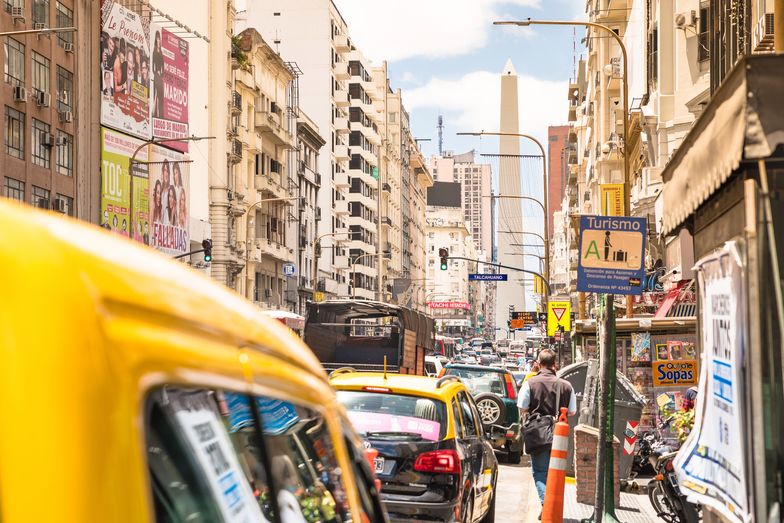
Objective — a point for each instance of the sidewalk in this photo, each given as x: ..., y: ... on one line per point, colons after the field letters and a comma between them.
x: 634, y: 508
x: 517, y: 501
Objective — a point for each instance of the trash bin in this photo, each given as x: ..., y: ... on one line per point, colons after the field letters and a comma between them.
x: 584, y: 378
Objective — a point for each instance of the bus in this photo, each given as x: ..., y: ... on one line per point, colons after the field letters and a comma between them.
x: 369, y: 336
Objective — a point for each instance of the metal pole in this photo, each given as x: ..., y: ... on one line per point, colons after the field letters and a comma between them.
x: 605, y: 463
x: 778, y: 26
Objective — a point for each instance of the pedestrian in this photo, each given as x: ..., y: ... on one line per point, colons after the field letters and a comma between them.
x: 542, y: 396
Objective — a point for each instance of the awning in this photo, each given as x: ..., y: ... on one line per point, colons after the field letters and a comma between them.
x: 743, y: 121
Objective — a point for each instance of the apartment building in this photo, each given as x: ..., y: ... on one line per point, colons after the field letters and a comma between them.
x: 557, y: 136
x: 40, y: 107
x: 309, y: 181
x: 313, y: 34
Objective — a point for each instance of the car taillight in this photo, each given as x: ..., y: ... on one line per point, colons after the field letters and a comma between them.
x: 668, y: 466
x: 510, y: 388
x: 438, y: 462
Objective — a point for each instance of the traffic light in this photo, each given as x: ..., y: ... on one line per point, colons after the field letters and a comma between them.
x: 444, y: 255
x: 207, y: 246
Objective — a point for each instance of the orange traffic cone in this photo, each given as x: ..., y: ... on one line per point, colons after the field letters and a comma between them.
x: 552, y: 511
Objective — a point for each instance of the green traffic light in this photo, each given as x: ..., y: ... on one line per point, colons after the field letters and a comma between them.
x: 443, y: 266
x: 208, y: 257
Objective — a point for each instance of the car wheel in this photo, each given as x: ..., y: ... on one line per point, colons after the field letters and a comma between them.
x: 468, y: 510
x: 490, y: 515
x: 491, y: 408
x: 514, y: 457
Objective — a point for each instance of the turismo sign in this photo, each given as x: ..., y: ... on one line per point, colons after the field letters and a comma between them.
x: 612, y: 250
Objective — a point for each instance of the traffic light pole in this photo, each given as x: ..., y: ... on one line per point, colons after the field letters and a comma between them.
x: 492, y: 264
x: 189, y: 253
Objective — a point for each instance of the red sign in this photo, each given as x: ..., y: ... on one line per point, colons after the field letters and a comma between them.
x: 449, y: 305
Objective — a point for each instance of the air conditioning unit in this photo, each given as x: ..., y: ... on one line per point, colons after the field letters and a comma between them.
x: 47, y: 140
x: 17, y: 13
x: 66, y: 116
x: 69, y: 47
x: 61, y: 140
x: 43, y: 203
x: 43, y: 99
x: 20, y: 94
x: 58, y: 205
x: 39, y: 26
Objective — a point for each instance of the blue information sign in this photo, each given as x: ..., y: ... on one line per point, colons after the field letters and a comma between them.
x: 612, y: 254
x: 487, y: 277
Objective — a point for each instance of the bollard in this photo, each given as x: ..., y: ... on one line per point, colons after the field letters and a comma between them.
x: 552, y: 510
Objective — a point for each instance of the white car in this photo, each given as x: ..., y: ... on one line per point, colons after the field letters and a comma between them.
x: 433, y: 366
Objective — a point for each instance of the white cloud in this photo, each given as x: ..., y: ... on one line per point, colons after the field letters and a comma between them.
x: 408, y: 76
x: 425, y: 28
x: 472, y: 102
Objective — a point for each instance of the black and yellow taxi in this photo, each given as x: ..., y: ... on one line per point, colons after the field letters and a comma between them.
x: 434, y: 461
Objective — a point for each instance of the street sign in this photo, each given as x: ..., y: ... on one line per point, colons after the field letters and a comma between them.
x: 612, y: 199
x: 612, y: 251
x: 516, y: 324
x: 488, y: 277
x: 318, y: 296
x: 527, y: 317
x: 558, y: 315
x: 289, y: 269
x: 449, y: 305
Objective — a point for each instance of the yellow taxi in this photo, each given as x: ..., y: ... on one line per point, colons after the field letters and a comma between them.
x: 434, y: 460
x: 134, y: 389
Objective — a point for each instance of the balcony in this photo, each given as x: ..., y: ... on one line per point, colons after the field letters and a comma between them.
x: 341, y: 153
x: 341, y: 180
x: 367, y: 155
x: 270, y: 184
x: 340, y: 71
x: 342, y: 126
x: 236, y: 103
x: 271, y: 249
x: 386, y: 220
x: 341, y: 207
x: 235, y: 151
x: 273, y: 125
x: 342, y: 44
x: 386, y: 187
x: 341, y: 98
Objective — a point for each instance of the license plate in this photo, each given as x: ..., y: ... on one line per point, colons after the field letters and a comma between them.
x: 378, y: 465
x: 674, y: 482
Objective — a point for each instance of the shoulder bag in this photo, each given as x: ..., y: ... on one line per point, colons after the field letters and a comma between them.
x: 538, y: 428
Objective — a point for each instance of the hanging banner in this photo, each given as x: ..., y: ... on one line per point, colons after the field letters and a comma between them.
x: 116, y: 152
x: 169, y: 97
x: 125, y: 70
x: 711, y: 464
x: 612, y: 199
x: 169, y: 205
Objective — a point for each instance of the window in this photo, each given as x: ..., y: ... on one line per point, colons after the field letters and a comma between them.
x: 459, y: 428
x: 40, y: 197
x: 41, y: 12
x: 14, y: 132
x: 65, y: 204
x: 13, y: 3
x: 368, y: 495
x: 64, y: 19
x: 14, y: 62
x: 64, y: 89
x: 369, y: 410
x: 42, y: 150
x: 703, y: 54
x: 653, y: 56
x: 41, y: 69
x: 14, y: 189
x: 64, y: 153
x: 470, y: 421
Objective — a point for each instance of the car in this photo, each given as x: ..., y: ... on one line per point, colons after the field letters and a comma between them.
x: 489, y: 360
x: 134, y: 379
x: 434, y: 461
x: 495, y: 392
x: 433, y: 366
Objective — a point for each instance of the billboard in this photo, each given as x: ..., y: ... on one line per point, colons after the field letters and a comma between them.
x: 116, y: 152
x: 125, y: 70
x: 169, y: 96
x: 169, y: 205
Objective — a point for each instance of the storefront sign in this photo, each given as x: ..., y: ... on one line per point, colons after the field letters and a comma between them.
x: 675, y: 373
x: 612, y: 199
x: 449, y: 305
x: 711, y: 464
x: 125, y: 70
x: 612, y: 251
x: 169, y: 97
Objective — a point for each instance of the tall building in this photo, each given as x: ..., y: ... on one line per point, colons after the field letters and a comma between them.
x: 510, y: 294
x: 415, y: 182
x: 557, y: 136
x: 314, y: 34
x: 40, y: 107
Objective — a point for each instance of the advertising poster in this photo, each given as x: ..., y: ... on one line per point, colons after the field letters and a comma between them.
x: 675, y: 373
x: 169, y: 205
x: 125, y: 71
x: 169, y: 96
x: 116, y: 152
x: 641, y: 346
x: 711, y: 465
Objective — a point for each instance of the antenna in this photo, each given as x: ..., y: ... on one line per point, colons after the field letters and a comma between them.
x: 440, y: 135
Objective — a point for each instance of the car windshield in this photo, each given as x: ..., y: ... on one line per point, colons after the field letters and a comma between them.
x: 385, y: 413
x: 477, y: 380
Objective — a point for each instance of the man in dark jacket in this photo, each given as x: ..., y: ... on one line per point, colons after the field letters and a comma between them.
x: 538, y: 396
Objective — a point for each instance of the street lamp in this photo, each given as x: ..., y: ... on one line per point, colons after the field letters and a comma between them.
x: 605, y: 500
x: 545, y: 190
x: 247, y: 239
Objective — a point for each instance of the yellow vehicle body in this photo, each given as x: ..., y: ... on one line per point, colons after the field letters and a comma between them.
x: 89, y: 324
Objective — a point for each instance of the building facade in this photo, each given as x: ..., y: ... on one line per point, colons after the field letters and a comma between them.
x: 40, y: 107
x: 557, y: 136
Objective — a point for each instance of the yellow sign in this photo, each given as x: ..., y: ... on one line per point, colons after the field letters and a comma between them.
x: 559, y: 314
x: 675, y: 373
x: 318, y: 296
x: 612, y: 199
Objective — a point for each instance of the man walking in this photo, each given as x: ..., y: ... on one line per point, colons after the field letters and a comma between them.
x: 539, y: 395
